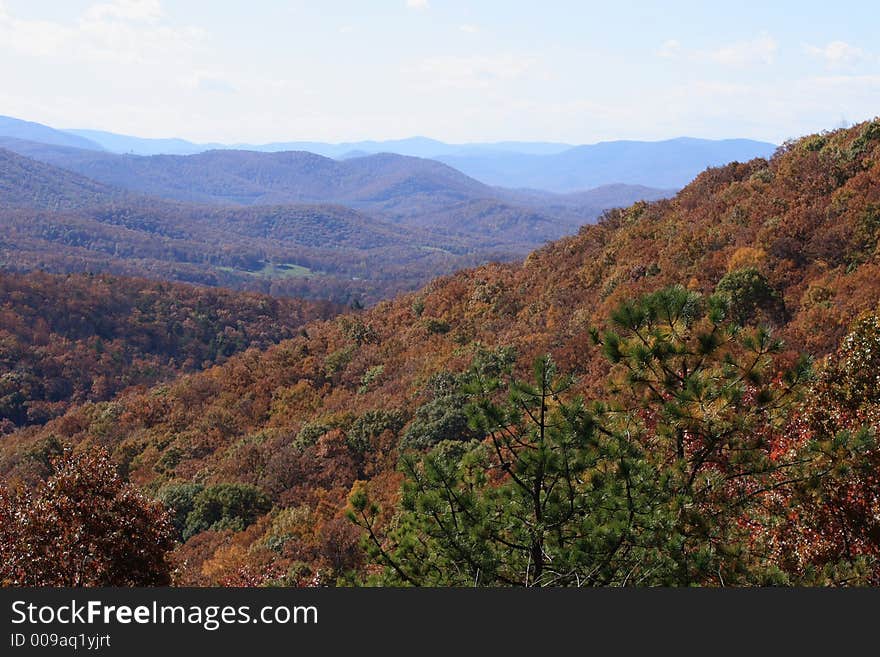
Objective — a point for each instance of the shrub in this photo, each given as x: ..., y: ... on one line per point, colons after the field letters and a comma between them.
x: 444, y: 417
x: 309, y: 434
x: 370, y: 376
x: 747, y: 291
x: 338, y: 360
x: 225, y: 506
x: 370, y: 426
x: 180, y: 500
x: 84, y: 526
x: 437, y: 326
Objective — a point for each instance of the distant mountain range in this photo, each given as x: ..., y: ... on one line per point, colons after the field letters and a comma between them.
x: 18, y: 129
x: 288, y: 223
x: 405, y: 190
x: 549, y: 166
x: 59, y: 221
x: 413, y: 146
x: 665, y: 164
x: 294, y: 222
x: 27, y: 183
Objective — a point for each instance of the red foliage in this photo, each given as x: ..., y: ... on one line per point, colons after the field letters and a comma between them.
x: 83, y: 527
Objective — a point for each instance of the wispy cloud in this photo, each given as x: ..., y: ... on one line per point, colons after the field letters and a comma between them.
x: 418, y: 4
x: 121, y: 31
x: 127, y: 10
x: 669, y: 49
x: 837, y: 53
x: 471, y: 72
x: 469, y: 28
x: 760, y: 50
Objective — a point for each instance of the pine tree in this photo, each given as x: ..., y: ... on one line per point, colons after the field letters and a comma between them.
x: 661, y: 484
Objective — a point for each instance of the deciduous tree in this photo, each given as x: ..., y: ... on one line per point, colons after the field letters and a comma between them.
x: 83, y: 526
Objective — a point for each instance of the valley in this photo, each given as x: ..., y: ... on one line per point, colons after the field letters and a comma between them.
x: 283, y: 223
x: 716, y: 347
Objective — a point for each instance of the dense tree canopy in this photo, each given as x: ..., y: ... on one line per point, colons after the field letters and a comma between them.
x: 671, y: 434
x: 83, y: 527
x: 660, y: 484
x: 75, y: 338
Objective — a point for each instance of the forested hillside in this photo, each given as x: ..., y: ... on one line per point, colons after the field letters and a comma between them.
x: 60, y: 222
x: 407, y: 190
x: 26, y: 183
x: 424, y: 220
x: 251, y: 178
x: 665, y: 424
x: 69, y: 339
x: 670, y: 163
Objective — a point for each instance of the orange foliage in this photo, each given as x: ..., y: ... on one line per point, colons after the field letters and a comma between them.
x: 282, y: 419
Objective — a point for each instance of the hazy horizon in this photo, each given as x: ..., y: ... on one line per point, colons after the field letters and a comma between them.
x: 342, y: 142
x: 455, y: 71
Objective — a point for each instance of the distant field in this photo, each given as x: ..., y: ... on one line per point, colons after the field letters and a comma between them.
x: 274, y: 270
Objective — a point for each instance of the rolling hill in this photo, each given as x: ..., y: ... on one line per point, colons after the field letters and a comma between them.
x: 70, y: 339
x: 27, y: 183
x: 305, y: 426
x: 546, y: 166
x: 30, y: 131
x: 554, y: 167
x: 62, y: 222
x: 405, y: 190
x: 662, y: 164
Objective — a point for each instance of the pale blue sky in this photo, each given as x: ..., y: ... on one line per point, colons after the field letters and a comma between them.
x: 457, y: 70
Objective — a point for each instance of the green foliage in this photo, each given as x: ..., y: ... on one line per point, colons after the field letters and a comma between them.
x: 287, y: 526
x: 814, y: 143
x: 45, y: 451
x: 225, y: 506
x: 747, y: 292
x: 369, y: 426
x: 437, y: 326
x: 372, y: 375
x: 180, y: 500
x: 356, y: 331
x: 443, y: 417
x: 169, y: 460
x: 649, y: 487
x: 309, y: 434
x: 867, y: 234
x: 764, y: 175
x: 338, y: 360
x: 488, y: 365
x: 870, y: 133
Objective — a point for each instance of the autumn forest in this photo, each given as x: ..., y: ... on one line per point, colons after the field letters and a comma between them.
x: 685, y: 390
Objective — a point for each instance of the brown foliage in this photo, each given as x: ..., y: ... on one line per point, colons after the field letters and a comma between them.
x: 83, y: 527
x: 282, y: 418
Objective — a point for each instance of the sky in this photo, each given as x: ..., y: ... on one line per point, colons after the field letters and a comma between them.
x: 457, y: 70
